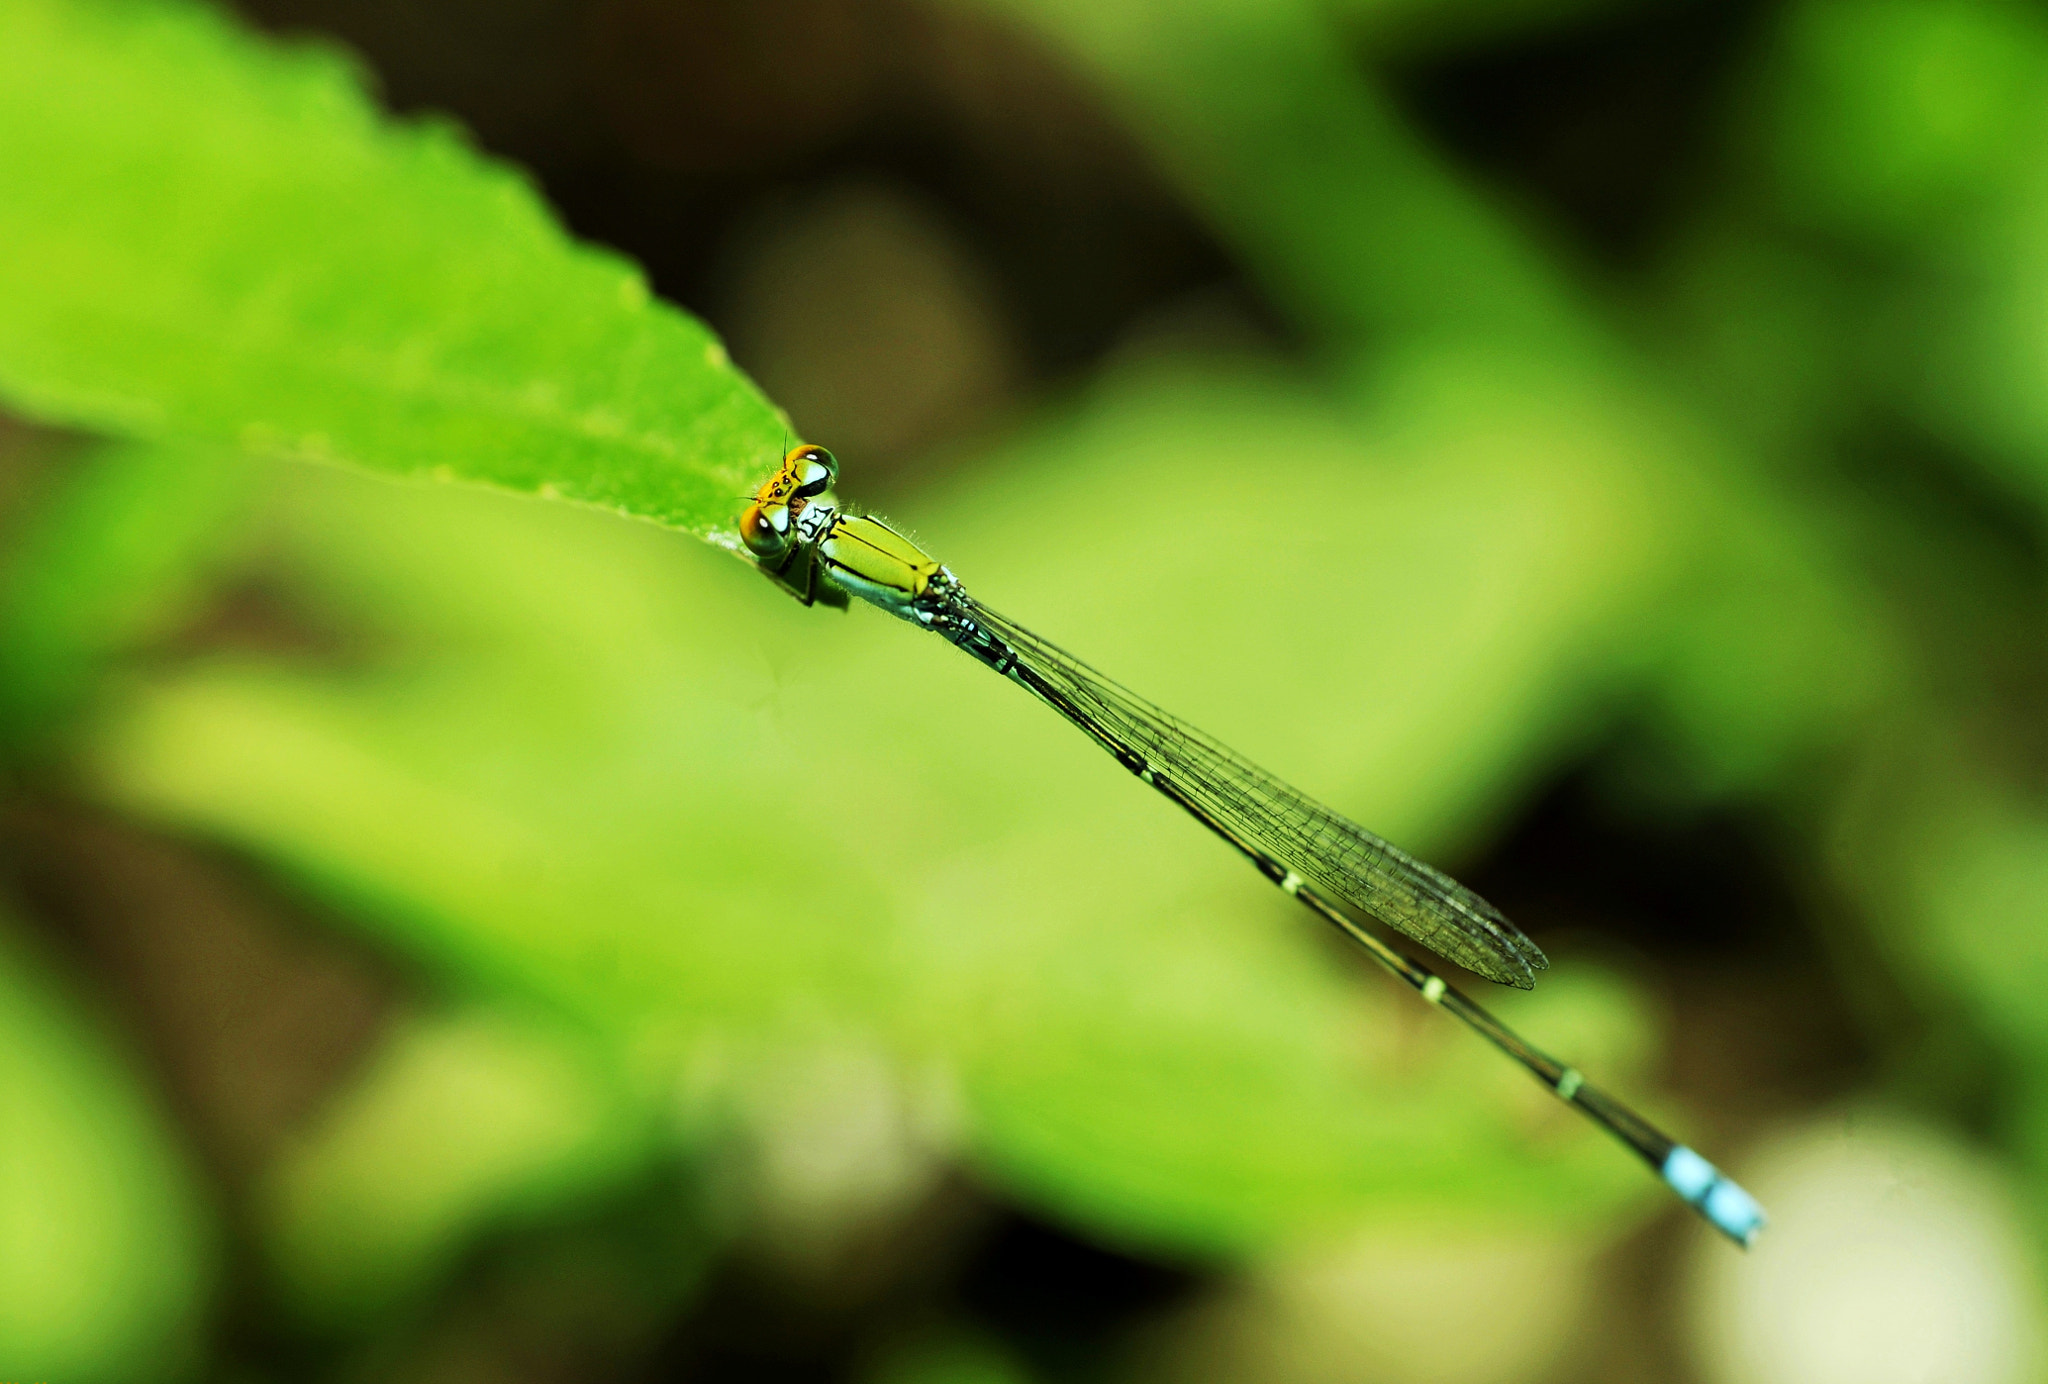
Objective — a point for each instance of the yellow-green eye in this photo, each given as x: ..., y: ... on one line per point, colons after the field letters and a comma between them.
x: 765, y: 531
x: 816, y: 469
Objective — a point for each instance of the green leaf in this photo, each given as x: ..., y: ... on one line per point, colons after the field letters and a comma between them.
x: 104, y: 1255
x: 219, y: 238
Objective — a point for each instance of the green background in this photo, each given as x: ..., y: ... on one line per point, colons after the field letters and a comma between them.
x: 458, y: 930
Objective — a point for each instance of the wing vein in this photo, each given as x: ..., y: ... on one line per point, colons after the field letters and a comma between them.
x: 1321, y: 846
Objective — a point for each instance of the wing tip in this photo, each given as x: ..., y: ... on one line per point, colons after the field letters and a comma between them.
x: 1523, y: 957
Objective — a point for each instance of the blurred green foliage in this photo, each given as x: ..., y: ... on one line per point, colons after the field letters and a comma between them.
x: 573, y: 760
x: 116, y: 559
x: 105, y: 1253
x: 473, y: 1117
x: 812, y: 908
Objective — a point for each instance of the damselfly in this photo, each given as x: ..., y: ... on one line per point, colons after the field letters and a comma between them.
x: 799, y: 536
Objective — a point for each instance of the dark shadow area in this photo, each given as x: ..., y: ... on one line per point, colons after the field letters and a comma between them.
x: 1606, y: 125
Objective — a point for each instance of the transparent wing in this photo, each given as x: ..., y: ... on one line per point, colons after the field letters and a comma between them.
x: 1339, y: 856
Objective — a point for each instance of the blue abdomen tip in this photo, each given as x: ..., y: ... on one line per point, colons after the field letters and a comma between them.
x: 1732, y: 1211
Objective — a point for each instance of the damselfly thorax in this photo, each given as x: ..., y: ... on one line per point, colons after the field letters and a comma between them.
x: 796, y: 530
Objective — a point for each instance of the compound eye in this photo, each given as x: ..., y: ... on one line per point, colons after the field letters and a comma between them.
x: 765, y: 531
x: 817, y: 470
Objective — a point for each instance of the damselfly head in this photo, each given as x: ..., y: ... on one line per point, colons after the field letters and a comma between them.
x: 792, y: 503
x: 805, y: 473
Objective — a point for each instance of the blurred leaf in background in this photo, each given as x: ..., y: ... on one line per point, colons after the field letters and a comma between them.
x: 745, y: 945
x: 638, y: 825
x: 115, y: 558
x: 106, y: 1258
